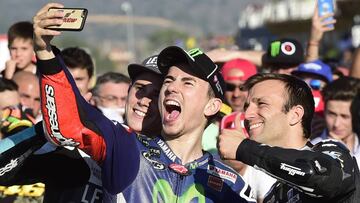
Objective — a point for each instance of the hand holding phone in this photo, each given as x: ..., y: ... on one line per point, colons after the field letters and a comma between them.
x: 74, y: 19
x: 228, y: 122
x: 326, y: 7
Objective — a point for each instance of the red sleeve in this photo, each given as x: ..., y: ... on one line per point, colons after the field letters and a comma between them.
x: 65, y: 111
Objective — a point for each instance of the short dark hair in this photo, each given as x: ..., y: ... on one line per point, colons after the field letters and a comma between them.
x: 75, y: 57
x: 355, y: 114
x: 298, y: 93
x: 110, y: 77
x: 6, y: 84
x: 22, y: 29
x: 342, y: 89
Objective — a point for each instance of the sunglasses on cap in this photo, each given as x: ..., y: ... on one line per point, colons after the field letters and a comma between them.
x: 232, y: 87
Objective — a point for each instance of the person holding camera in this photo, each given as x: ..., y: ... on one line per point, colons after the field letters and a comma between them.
x: 168, y: 167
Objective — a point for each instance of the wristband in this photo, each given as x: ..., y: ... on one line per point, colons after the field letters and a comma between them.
x: 312, y: 43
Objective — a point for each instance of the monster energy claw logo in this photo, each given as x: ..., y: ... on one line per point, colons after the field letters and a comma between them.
x: 163, y: 192
x: 194, y: 52
x: 275, y: 48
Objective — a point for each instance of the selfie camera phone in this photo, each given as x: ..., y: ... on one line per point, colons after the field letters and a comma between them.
x: 227, y: 122
x: 325, y: 7
x: 74, y: 19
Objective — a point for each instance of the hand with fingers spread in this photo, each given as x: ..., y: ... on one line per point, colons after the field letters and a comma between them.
x: 43, y: 36
x: 230, y: 139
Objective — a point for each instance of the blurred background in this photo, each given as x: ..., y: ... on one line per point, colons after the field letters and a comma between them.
x: 119, y: 32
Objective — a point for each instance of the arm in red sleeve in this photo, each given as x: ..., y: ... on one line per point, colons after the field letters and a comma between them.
x: 66, y: 113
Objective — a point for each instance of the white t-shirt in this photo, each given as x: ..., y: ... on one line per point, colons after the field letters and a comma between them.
x: 259, y: 181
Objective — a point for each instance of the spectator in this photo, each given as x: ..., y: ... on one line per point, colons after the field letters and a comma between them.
x: 29, y: 92
x: 21, y: 49
x: 141, y: 111
x: 278, y: 114
x: 80, y: 66
x: 319, y: 26
x: 283, y: 56
x: 338, y: 97
x: 235, y: 73
x: 355, y: 115
x: 109, y: 95
x: 315, y: 73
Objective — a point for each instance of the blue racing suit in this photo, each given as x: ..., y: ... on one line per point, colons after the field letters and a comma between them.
x: 135, y: 168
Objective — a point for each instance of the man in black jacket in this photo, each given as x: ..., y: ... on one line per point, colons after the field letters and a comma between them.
x: 278, y: 114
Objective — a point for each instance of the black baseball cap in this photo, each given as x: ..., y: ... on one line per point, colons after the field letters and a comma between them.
x: 284, y: 53
x: 148, y: 65
x: 200, y: 65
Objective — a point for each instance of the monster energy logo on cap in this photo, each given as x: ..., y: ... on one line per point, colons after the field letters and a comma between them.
x: 284, y: 53
x: 194, y: 52
x: 275, y: 48
x: 199, y: 64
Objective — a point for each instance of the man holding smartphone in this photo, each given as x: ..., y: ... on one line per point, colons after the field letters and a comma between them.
x: 169, y: 167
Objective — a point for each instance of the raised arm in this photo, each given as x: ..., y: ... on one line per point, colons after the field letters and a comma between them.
x: 71, y: 121
x: 318, y: 27
x: 223, y: 55
x: 42, y: 36
x: 355, y: 67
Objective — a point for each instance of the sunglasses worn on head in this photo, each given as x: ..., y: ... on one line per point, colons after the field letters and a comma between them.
x: 232, y: 87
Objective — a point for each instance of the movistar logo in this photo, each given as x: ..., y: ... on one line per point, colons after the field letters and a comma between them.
x: 162, y: 192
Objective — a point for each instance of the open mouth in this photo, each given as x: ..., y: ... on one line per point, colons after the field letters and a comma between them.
x: 251, y: 126
x: 173, y: 110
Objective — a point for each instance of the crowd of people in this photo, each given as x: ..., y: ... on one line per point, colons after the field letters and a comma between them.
x: 279, y: 125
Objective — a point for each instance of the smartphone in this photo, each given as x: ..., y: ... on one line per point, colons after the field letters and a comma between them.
x: 74, y: 19
x: 227, y: 122
x: 325, y: 7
